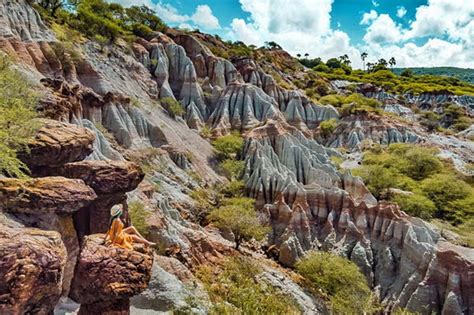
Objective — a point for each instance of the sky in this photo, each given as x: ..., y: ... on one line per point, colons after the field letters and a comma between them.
x: 425, y: 33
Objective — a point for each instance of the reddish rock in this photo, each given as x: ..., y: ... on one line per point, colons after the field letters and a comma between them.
x: 44, y: 195
x: 31, y: 269
x: 57, y: 143
x: 109, y: 274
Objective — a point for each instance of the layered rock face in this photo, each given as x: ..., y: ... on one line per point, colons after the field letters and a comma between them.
x: 48, y: 217
x: 353, y: 131
x: 317, y: 208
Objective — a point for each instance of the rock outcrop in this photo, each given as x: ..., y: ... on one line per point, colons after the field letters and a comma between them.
x: 106, y: 278
x: 353, y: 131
x: 32, y: 265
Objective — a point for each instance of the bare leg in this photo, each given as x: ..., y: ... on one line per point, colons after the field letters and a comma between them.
x: 132, y: 230
x: 138, y: 239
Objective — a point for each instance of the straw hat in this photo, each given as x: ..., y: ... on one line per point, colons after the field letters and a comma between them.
x: 116, y: 211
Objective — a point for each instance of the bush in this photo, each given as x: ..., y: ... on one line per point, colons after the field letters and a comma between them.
x: 419, y: 163
x: 228, y: 146
x: 237, y: 288
x: 339, y: 279
x: 416, y: 205
x: 173, y: 107
x: 17, y: 111
x: 377, y: 178
x: 443, y: 189
x: 139, y: 217
x: 232, y: 169
x: 327, y: 127
x: 239, y: 217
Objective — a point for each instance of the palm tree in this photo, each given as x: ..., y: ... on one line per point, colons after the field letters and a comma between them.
x: 370, y: 65
x: 345, y: 59
x: 392, y: 62
x: 298, y: 55
x: 306, y: 55
x: 364, y: 56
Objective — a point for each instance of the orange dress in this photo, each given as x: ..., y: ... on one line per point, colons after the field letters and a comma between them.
x: 117, y: 237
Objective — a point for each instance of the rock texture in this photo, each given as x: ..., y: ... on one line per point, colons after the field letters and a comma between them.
x: 317, y: 208
x: 108, y: 276
x: 31, y: 268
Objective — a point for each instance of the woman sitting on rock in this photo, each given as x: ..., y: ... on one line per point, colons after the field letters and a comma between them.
x: 122, y: 237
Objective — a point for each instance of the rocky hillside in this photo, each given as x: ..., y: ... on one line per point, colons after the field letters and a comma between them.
x: 133, y: 123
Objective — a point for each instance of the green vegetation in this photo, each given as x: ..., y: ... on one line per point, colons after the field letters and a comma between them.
x: 95, y: 18
x: 352, y: 105
x: 466, y: 75
x: 327, y: 127
x: 339, y: 279
x: 173, y: 107
x: 17, y: 111
x: 434, y: 190
x: 239, y: 216
x: 139, y: 217
x: 236, y: 287
x: 228, y: 146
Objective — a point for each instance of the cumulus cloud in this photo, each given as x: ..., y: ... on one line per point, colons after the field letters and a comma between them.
x: 368, y: 17
x: 203, y: 17
x: 383, y: 30
x: 445, y: 28
x: 302, y: 28
x: 401, y: 11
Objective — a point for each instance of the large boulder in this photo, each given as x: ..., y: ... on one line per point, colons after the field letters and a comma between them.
x: 31, y: 268
x: 44, y: 195
x: 56, y: 144
x: 109, y: 275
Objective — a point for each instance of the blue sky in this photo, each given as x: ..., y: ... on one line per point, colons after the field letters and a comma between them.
x: 415, y: 32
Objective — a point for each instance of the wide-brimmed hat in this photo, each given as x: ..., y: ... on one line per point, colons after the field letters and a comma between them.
x: 116, y: 211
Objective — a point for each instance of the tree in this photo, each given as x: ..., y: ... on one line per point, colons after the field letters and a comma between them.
x: 419, y: 163
x: 272, y: 45
x: 370, y: 66
x: 239, y: 217
x: 333, y: 63
x: 364, y: 56
x: 306, y: 55
x: 298, y: 55
x: 392, y: 62
x: 382, y: 62
x: 52, y: 6
x: 345, y: 60
x: 17, y: 113
x: 339, y: 279
x: 407, y: 73
x: 416, y: 205
x: 327, y: 127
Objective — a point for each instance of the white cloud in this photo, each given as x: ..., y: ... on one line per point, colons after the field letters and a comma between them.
x: 383, y: 30
x: 446, y: 26
x: 368, y: 17
x: 204, y: 18
x: 444, y: 17
x: 401, y: 11
x: 302, y: 28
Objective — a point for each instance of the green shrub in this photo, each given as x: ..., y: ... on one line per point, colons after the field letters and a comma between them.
x: 443, y: 189
x: 327, y: 127
x: 238, y: 216
x: 234, y: 188
x: 339, y: 279
x: 139, y: 217
x: 232, y: 169
x: 460, y: 210
x: 377, y: 178
x: 419, y: 163
x: 229, y: 146
x: 17, y: 111
x: 237, y: 288
x: 173, y: 107
x: 416, y: 205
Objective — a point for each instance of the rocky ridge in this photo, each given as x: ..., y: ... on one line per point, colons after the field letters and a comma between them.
x: 308, y: 203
